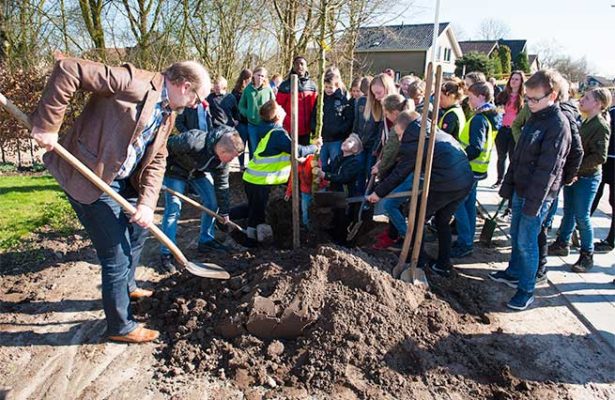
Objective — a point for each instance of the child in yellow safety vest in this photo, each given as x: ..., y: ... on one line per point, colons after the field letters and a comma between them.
x: 452, y: 119
x: 269, y: 166
x: 477, y: 138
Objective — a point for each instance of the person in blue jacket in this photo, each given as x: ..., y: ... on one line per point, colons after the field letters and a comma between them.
x: 477, y: 138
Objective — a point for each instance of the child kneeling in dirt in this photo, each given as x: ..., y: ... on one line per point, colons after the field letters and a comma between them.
x: 342, y: 175
x: 451, y: 181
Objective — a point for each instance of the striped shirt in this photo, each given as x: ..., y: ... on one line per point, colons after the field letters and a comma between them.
x: 137, y: 148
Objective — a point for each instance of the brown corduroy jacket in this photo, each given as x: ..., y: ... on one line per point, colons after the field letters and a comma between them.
x: 122, y: 100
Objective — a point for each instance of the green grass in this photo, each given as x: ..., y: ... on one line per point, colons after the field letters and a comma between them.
x: 29, y: 202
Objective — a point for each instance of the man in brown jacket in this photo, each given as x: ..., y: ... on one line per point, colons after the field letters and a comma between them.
x: 121, y: 136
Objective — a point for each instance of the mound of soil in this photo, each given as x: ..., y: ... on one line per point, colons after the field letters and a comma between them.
x: 326, y: 320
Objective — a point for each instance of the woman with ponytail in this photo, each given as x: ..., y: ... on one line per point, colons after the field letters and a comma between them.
x: 452, y: 119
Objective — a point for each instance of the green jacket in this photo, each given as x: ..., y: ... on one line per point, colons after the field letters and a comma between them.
x: 595, y: 139
x: 520, y: 120
x: 251, y: 101
x: 389, y: 154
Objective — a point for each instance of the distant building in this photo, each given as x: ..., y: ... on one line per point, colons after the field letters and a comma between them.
x: 534, y: 62
x: 595, y: 81
x: 406, y: 49
x: 487, y: 47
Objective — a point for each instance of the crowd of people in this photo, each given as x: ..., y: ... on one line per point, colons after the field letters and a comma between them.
x: 368, y: 146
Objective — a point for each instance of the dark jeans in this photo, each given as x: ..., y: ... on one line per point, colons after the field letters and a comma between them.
x: 505, y: 145
x: 258, y: 196
x: 442, y: 206
x: 367, y: 161
x: 608, y: 178
x: 118, y: 245
x: 242, y: 128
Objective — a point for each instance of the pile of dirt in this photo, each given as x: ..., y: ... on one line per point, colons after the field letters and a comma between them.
x: 325, y: 320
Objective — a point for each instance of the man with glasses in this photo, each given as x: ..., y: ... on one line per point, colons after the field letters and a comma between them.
x: 533, y: 179
x: 121, y: 136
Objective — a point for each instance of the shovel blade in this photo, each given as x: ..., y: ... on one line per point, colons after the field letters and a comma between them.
x: 353, y: 230
x: 486, y: 234
x: 419, y: 278
x: 207, y: 270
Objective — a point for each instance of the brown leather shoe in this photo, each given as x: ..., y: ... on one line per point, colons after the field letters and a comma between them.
x: 139, y: 335
x: 140, y: 293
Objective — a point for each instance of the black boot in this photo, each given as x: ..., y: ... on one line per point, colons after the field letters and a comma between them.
x: 541, y: 274
x: 559, y: 248
x: 585, y: 262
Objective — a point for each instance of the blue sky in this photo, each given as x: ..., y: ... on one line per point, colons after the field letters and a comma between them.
x: 580, y: 27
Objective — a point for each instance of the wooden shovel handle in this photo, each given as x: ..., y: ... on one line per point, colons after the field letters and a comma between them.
x: 201, y: 207
x: 416, y: 249
x: 99, y: 183
x: 418, y: 166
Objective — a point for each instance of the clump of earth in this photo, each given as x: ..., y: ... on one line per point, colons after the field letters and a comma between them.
x: 331, y: 320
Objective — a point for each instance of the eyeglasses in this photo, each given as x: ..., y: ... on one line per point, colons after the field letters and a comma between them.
x: 536, y: 100
x: 198, y: 98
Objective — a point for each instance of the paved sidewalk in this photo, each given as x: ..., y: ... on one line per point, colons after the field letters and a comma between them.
x: 591, y: 296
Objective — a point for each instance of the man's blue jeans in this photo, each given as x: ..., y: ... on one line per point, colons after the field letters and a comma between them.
x: 202, y: 186
x: 392, y: 206
x: 524, y: 231
x: 466, y: 219
x: 118, y: 245
x: 578, y: 199
x: 329, y: 152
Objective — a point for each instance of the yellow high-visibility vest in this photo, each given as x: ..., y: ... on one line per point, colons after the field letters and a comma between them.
x: 461, y: 118
x: 481, y: 163
x: 270, y: 170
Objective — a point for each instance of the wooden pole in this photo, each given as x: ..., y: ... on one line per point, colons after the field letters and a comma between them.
x: 418, y: 166
x: 294, y: 134
x: 416, y: 249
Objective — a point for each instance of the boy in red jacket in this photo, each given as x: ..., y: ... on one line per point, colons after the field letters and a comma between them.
x: 306, y: 99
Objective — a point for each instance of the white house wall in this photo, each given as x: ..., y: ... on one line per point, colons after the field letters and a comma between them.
x: 445, y: 41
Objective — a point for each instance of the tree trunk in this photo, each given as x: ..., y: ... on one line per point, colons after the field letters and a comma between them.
x: 64, y: 25
x: 32, y: 151
x: 18, y: 154
x: 323, y: 19
x: 322, y: 59
x: 3, y: 33
x: 91, y: 11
